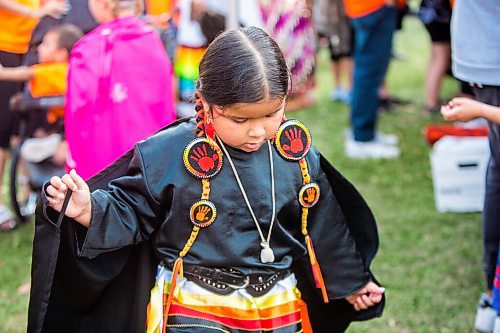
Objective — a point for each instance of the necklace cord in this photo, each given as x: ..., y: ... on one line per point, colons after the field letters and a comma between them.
x: 265, y: 242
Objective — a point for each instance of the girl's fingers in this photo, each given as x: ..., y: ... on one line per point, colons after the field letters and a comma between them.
x: 367, y: 300
x: 69, y: 182
x: 361, y: 304
x: 376, y: 298
x: 53, y: 201
x: 375, y: 289
x: 79, y: 182
x: 54, y: 193
x: 57, y: 183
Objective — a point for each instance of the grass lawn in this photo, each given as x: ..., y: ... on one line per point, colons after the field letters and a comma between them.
x: 430, y: 263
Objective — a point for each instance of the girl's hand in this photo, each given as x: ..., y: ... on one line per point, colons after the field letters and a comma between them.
x: 370, y: 295
x: 462, y: 109
x: 79, y: 206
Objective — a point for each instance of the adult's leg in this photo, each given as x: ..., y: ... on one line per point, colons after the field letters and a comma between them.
x: 439, y: 62
x: 436, y: 69
x: 336, y: 73
x: 372, y: 52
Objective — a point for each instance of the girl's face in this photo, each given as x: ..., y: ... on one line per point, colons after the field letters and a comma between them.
x: 49, y: 50
x: 247, y: 126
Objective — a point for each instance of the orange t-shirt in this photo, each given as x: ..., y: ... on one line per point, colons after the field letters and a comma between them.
x: 50, y: 80
x: 15, y: 29
x: 160, y: 11
x: 359, y: 8
x: 156, y: 7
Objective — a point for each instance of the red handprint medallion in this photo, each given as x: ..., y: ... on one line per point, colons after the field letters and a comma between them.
x: 293, y: 140
x: 202, y: 213
x: 203, y: 158
x: 309, y: 195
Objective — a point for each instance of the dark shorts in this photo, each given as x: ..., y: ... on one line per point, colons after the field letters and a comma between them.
x: 439, y: 32
x: 340, y: 46
x: 9, y: 120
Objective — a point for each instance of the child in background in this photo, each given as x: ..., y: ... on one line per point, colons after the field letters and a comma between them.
x: 229, y: 261
x: 466, y: 109
x: 332, y: 24
x: 120, y: 87
x: 48, y: 78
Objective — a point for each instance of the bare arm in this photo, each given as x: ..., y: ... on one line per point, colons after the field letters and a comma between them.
x: 491, y: 113
x: 51, y: 8
x: 20, y: 74
x: 465, y: 109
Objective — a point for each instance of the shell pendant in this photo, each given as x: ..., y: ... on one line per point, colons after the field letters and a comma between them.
x: 266, y: 254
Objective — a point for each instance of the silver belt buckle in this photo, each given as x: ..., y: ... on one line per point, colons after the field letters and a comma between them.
x: 243, y: 286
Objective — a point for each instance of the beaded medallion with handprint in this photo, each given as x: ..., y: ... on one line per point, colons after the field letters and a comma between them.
x: 309, y: 195
x: 203, y: 158
x: 203, y: 213
x: 293, y: 140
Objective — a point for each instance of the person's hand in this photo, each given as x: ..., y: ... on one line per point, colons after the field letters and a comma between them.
x: 54, y: 8
x: 462, y: 109
x: 79, y: 206
x: 368, y: 296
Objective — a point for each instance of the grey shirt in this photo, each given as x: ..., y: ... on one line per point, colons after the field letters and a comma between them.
x: 475, y: 41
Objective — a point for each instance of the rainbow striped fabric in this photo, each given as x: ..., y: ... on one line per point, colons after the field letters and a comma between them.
x: 195, y: 309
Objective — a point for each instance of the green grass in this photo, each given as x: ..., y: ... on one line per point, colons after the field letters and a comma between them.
x: 429, y: 262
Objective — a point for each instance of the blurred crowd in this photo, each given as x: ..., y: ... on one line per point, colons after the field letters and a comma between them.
x: 36, y: 56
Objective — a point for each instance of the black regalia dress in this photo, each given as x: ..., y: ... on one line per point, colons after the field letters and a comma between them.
x: 99, y: 279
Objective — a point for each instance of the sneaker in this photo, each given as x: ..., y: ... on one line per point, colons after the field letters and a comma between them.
x: 340, y: 95
x: 485, y: 315
x: 35, y: 150
x: 370, y: 149
x: 496, y: 325
x: 7, y: 221
x: 386, y: 139
x: 29, y: 207
x: 383, y: 138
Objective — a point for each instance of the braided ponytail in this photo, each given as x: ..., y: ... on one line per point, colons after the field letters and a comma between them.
x: 200, y: 116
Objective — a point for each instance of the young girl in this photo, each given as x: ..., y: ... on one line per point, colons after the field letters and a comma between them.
x: 233, y: 203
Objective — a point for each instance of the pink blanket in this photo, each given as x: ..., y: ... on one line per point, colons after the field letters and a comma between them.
x: 120, y: 91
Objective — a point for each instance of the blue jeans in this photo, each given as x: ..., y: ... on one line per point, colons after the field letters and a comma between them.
x: 372, y: 52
